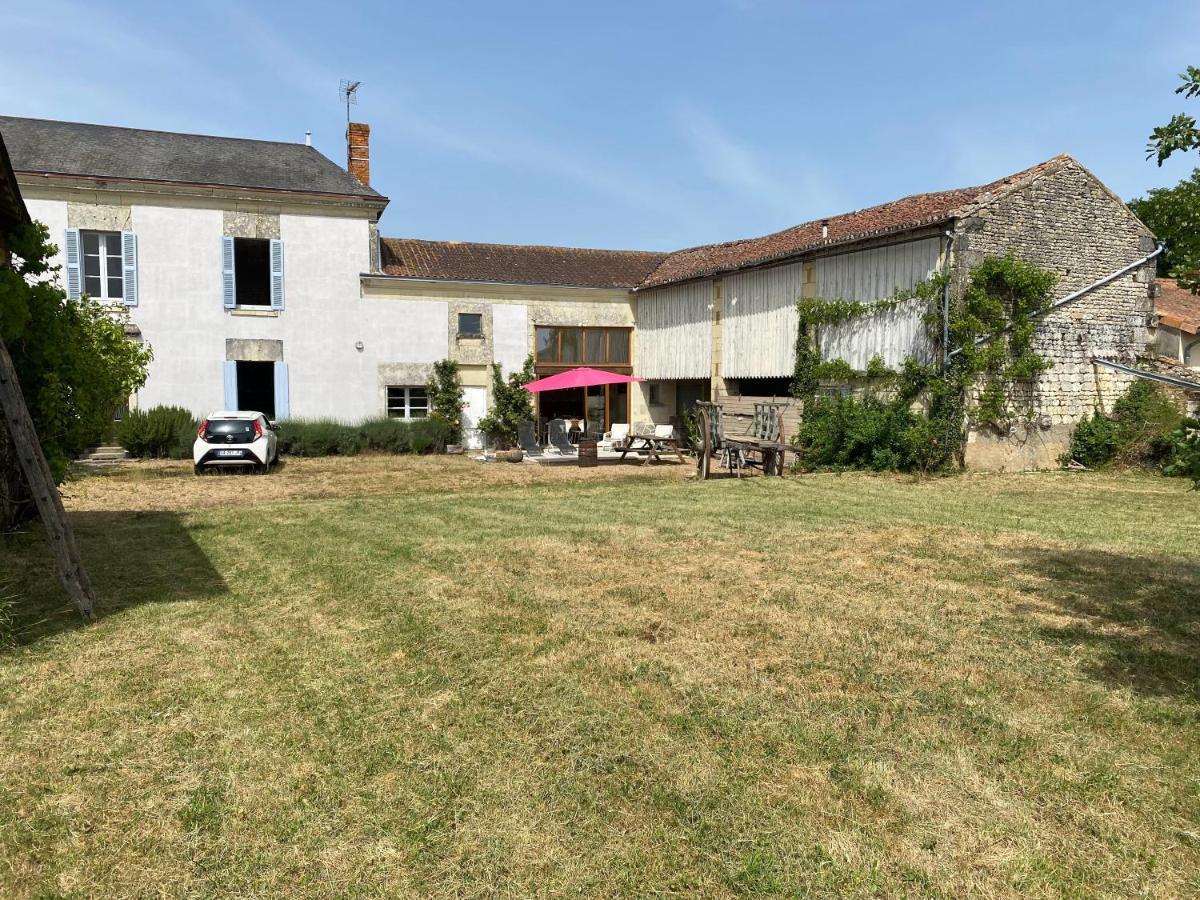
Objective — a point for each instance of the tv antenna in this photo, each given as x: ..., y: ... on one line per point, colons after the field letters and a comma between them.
x: 348, y: 91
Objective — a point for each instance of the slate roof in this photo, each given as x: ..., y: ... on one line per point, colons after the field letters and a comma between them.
x: 512, y: 264
x: 12, y: 208
x: 1177, y: 307
x: 42, y: 146
x: 899, y: 215
x: 455, y: 260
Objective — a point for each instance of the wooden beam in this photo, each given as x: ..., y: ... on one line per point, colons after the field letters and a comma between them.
x: 45, y: 493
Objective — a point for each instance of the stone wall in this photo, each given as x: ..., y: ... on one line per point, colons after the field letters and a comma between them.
x: 1067, y: 222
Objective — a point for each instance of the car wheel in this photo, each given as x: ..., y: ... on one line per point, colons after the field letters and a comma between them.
x: 198, y: 470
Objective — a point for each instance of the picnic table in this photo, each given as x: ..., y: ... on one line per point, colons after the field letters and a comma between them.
x: 652, y: 445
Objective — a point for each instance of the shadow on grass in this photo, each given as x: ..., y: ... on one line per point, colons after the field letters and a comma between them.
x: 132, y: 558
x: 1139, y: 617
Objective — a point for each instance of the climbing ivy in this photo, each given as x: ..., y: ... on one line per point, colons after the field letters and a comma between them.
x: 991, y: 329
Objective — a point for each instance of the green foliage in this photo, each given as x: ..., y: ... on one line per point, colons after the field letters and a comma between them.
x: 326, y: 437
x: 161, y: 432
x: 446, y: 399
x: 75, y: 365
x: 1140, y: 431
x: 1181, y: 133
x: 1185, y: 452
x: 1173, y: 214
x: 1093, y: 442
x: 511, y: 404
x: 835, y: 370
x: 877, y: 368
x: 869, y: 433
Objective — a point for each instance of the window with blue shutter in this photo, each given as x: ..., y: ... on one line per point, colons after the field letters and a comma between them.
x: 277, y: 274
x: 74, y: 264
x: 281, y: 392
x: 129, y: 265
x: 228, y: 281
x: 231, y: 393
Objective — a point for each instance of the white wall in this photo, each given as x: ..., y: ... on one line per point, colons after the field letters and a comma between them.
x: 674, y: 331
x: 510, y: 335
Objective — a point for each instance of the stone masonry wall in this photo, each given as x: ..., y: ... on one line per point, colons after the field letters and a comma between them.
x: 1067, y: 222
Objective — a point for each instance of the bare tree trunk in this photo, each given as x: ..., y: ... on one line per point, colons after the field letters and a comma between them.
x: 45, y: 492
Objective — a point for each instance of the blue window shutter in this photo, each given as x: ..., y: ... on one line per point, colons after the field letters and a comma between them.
x: 277, y: 274
x: 231, y: 401
x: 129, y: 266
x: 228, y: 277
x: 74, y: 255
x: 281, y: 391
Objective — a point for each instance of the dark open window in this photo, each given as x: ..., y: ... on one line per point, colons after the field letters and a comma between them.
x: 252, y: 264
x: 102, y: 275
x: 470, y: 324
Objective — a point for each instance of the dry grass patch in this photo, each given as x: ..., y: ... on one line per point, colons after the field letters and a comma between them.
x: 578, y: 683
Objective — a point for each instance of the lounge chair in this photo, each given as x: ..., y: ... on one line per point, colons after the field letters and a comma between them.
x: 617, y: 437
x: 527, y: 439
x: 558, y: 438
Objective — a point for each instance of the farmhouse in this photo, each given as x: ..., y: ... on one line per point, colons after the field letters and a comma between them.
x: 256, y: 271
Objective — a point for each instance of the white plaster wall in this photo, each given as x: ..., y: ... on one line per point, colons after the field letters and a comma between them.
x: 510, y: 335
x: 52, y: 214
x: 182, y: 318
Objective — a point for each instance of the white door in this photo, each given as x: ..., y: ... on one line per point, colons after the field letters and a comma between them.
x: 474, y: 409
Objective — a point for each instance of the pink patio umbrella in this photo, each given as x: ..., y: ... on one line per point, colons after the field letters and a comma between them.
x: 578, y: 378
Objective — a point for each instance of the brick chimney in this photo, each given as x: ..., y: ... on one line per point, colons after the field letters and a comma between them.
x: 358, y: 151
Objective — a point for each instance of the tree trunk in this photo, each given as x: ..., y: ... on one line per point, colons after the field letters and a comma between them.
x: 45, y: 493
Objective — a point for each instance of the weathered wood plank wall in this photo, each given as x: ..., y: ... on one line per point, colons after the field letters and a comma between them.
x: 674, y: 331
x: 759, y: 331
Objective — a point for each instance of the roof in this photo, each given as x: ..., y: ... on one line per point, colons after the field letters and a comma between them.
x: 459, y: 261
x: 42, y: 146
x: 12, y: 208
x: 900, y: 215
x: 1177, y: 307
x: 511, y: 264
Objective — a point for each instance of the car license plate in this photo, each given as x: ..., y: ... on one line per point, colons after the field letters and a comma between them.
x: 229, y: 453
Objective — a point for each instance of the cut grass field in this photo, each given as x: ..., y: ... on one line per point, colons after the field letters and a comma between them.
x: 428, y: 677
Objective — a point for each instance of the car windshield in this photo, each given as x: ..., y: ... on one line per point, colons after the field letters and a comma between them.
x: 224, y: 429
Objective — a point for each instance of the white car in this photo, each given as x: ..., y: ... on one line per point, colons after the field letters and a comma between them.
x: 235, y: 438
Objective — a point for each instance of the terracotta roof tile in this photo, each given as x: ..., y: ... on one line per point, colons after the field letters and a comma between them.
x: 510, y: 264
x: 458, y: 261
x: 899, y: 215
x: 1177, y: 307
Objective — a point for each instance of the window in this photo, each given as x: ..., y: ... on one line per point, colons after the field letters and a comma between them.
x: 591, y: 346
x: 653, y: 395
x: 252, y: 271
x: 407, y: 402
x: 470, y: 324
x: 102, y: 278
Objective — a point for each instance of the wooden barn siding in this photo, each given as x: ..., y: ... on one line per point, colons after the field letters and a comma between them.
x: 759, y: 331
x: 674, y: 331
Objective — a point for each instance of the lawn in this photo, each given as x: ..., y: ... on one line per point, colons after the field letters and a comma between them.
x: 428, y: 677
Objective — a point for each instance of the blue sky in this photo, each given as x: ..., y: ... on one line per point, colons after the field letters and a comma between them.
x: 651, y: 125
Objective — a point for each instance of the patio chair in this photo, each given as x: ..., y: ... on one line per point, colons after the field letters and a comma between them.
x: 664, y: 431
x: 527, y: 439
x: 618, y: 437
x: 558, y: 438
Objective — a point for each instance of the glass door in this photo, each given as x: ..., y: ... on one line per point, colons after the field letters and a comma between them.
x: 594, y: 410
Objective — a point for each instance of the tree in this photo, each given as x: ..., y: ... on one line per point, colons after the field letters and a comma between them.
x: 511, y: 404
x: 446, y: 399
x: 73, y: 361
x: 1181, y: 133
x: 1173, y: 214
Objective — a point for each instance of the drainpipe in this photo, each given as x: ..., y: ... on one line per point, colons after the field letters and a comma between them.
x: 1111, y: 276
x: 946, y: 302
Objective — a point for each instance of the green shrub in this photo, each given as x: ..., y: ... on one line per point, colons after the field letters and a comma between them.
x: 325, y: 437
x: 1093, y: 442
x: 866, y: 433
x: 1185, y: 452
x: 1138, y: 433
x: 161, y: 432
